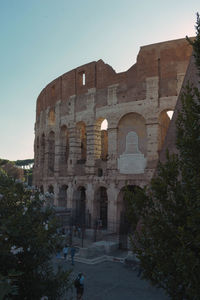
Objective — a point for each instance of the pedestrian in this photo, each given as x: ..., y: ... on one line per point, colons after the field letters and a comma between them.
x: 65, y: 252
x: 72, y: 251
x: 79, y: 285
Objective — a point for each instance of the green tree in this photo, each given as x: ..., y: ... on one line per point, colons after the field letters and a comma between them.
x: 168, y: 242
x: 28, y: 240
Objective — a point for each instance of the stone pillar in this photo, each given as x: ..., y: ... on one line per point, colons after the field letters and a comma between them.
x: 112, y: 94
x: 90, y: 204
x: 56, y: 193
x: 74, y: 149
x: 90, y: 163
x: 152, y: 143
x: 112, y: 150
x: 57, y: 139
x: 70, y: 191
x: 112, y: 193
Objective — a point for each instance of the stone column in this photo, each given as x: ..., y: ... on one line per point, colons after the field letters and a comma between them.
x: 74, y: 149
x: 90, y: 163
x: 56, y: 193
x: 112, y: 193
x: 70, y: 191
x: 152, y: 143
x: 90, y: 132
x: 112, y: 150
x: 90, y: 204
x: 57, y: 139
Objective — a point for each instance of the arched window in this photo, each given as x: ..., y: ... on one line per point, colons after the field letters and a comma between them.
x: 42, y: 150
x: 51, y: 152
x: 51, y: 117
x: 163, y: 121
x: 101, y: 139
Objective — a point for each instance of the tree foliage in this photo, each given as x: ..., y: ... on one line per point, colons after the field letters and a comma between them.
x: 28, y: 239
x: 168, y: 242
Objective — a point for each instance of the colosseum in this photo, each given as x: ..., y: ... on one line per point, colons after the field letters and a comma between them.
x: 98, y: 131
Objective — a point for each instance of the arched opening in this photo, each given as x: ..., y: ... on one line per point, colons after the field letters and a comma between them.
x: 80, y: 206
x: 51, y: 117
x: 163, y: 121
x: 64, y: 150
x: 42, y: 189
x: 82, y: 141
x: 51, y: 189
x: 132, y: 144
x: 51, y: 153
x: 42, y: 150
x: 102, y: 207
x: 62, y: 196
x: 122, y: 219
x: 101, y: 139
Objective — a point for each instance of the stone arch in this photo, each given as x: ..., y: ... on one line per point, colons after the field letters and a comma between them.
x: 101, y: 139
x: 51, y: 153
x: 81, y: 139
x: 123, y: 223
x: 64, y: 150
x: 79, y: 205
x: 131, y: 144
x: 163, y: 124
x: 131, y: 122
x: 62, y: 196
x: 51, y: 117
x: 101, y: 205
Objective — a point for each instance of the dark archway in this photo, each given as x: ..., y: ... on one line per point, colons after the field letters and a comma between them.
x: 102, y: 207
x: 80, y: 206
x: 62, y: 196
x: 124, y: 223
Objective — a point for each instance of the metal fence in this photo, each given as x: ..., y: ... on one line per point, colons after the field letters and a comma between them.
x: 80, y: 234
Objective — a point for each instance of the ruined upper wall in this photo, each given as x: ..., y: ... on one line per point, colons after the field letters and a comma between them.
x: 166, y: 61
x: 192, y: 77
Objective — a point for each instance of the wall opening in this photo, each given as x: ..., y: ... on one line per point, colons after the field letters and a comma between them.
x: 101, y: 139
x: 80, y: 206
x: 62, y: 196
x: 163, y: 123
x: 51, y: 153
x: 42, y: 150
x: 82, y: 78
x: 102, y: 208
x: 51, y: 117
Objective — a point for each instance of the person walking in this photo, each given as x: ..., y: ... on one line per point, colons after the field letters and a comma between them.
x: 72, y: 252
x: 65, y: 252
x: 79, y: 285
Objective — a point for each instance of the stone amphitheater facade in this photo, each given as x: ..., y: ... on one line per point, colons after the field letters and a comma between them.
x: 87, y: 166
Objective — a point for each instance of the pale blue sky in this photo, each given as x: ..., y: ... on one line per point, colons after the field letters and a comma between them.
x: 42, y: 39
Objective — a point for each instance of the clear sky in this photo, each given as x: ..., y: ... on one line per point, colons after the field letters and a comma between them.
x: 42, y: 39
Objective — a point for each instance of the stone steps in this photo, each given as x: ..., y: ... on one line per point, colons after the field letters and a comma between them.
x: 97, y: 260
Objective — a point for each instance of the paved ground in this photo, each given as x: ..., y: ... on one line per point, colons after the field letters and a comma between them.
x: 113, y: 281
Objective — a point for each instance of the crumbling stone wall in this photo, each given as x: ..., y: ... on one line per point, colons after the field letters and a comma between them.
x: 77, y: 160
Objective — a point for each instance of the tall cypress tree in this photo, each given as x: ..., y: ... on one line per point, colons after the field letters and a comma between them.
x: 168, y: 244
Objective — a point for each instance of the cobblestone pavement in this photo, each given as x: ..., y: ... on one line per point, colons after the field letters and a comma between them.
x: 113, y: 281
